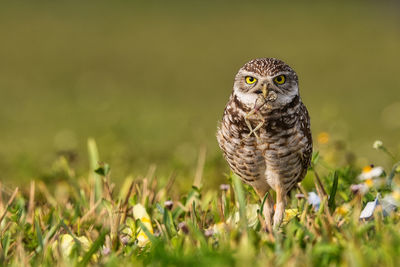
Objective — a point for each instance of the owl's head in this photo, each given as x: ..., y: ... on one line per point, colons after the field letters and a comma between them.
x: 265, y: 76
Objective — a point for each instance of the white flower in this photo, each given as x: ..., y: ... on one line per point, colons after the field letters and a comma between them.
x: 360, y: 188
x: 370, y: 172
x: 314, y: 200
x: 389, y: 205
x: 377, y: 144
x: 369, y: 209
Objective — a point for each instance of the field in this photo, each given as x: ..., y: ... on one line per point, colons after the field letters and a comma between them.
x: 86, y: 221
x: 109, y: 113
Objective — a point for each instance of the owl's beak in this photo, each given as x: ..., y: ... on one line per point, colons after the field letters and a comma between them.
x: 265, y: 90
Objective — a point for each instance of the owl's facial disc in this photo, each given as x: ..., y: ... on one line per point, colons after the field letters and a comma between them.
x: 280, y: 79
x: 278, y: 89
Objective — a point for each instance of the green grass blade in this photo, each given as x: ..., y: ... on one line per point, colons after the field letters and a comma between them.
x: 331, y: 202
x: 94, y: 248
x: 262, y: 203
x: 239, y: 191
x: 39, y: 233
x: 5, y: 243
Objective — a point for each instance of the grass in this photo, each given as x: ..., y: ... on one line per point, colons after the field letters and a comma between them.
x: 79, y: 223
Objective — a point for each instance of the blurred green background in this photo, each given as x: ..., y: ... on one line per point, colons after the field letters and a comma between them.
x: 149, y: 80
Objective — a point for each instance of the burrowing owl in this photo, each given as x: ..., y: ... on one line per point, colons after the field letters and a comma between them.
x: 265, y: 132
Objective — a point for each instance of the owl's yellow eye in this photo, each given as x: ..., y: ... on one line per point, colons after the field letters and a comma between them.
x: 280, y: 79
x: 250, y: 80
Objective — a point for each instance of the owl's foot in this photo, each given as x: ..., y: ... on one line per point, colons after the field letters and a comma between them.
x: 278, y: 217
x: 280, y: 208
x: 267, y: 211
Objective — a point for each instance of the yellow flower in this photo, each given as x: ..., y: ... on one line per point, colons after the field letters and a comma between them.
x: 343, y: 210
x: 290, y: 214
x: 323, y: 138
x: 396, y: 195
x: 369, y: 182
x: 219, y: 228
x: 139, y: 213
x: 367, y: 168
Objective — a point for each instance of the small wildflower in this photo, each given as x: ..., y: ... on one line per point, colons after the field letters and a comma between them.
x: 370, y: 172
x: 369, y: 182
x: 168, y: 204
x: 369, y: 209
x: 157, y: 233
x: 396, y: 195
x: 323, y: 138
x: 219, y: 228
x: 224, y: 187
x: 209, y: 232
x: 125, y: 239
x: 389, y: 205
x: 359, y: 188
x: 290, y: 214
x: 343, y: 210
x: 106, y: 251
x: 314, y: 200
x: 184, y: 228
x: 367, y: 168
x: 378, y: 144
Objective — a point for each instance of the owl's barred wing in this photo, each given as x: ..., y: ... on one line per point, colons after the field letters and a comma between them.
x: 305, y: 128
x: 239, y: 150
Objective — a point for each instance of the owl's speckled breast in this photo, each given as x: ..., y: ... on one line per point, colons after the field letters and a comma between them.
x: 282, y: 150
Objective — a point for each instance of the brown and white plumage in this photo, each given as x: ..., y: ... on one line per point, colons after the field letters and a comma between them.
x: 276, y: 156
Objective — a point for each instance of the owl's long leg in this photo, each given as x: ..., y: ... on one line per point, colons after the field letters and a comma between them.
x: 268, y: 211
x: 268, y: 208
x: 280, y: 206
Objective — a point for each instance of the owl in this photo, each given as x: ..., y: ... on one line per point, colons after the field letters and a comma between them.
x: 265, y: 133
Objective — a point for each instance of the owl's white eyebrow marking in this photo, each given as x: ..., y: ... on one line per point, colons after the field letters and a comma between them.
x: 249, y: 73
x: 282, y: 73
